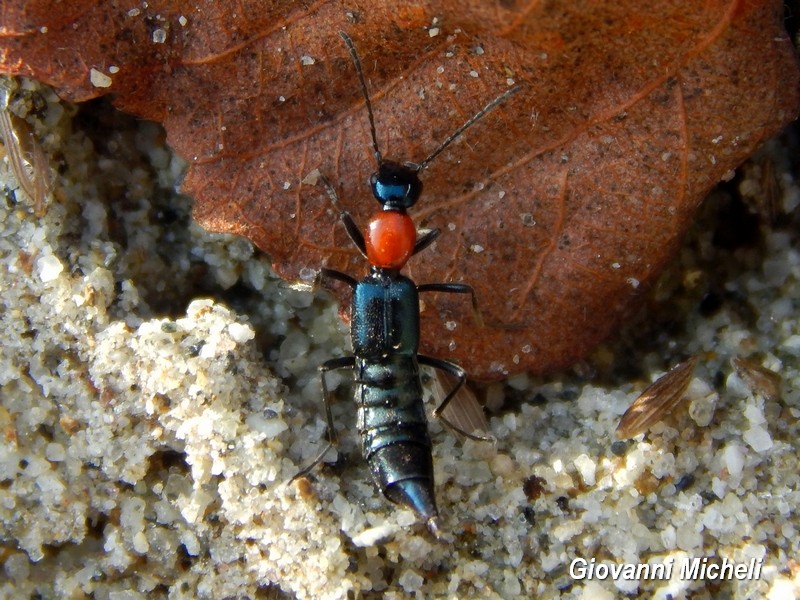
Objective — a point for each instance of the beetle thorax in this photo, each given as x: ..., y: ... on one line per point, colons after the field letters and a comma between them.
x: 390, y: 239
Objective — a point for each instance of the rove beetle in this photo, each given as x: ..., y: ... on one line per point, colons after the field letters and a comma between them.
x: 385, y: 332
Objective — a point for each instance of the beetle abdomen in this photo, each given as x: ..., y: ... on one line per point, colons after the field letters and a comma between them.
x: 394, y: 431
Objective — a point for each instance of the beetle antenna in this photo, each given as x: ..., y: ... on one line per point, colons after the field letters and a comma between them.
x: 357, y: 64
x: 472, y: 120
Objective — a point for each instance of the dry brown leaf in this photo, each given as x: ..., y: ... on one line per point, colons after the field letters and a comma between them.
x: 464, y: 412
x: 561, y: 207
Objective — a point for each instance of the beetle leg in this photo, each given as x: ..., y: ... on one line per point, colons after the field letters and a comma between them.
x: 425, y: 240
x: 461, y: 375
x: 339, y: 276
x: 353, y: 232
x: 352, y: 229
x: 340, y: 362
x: 455, y: 288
